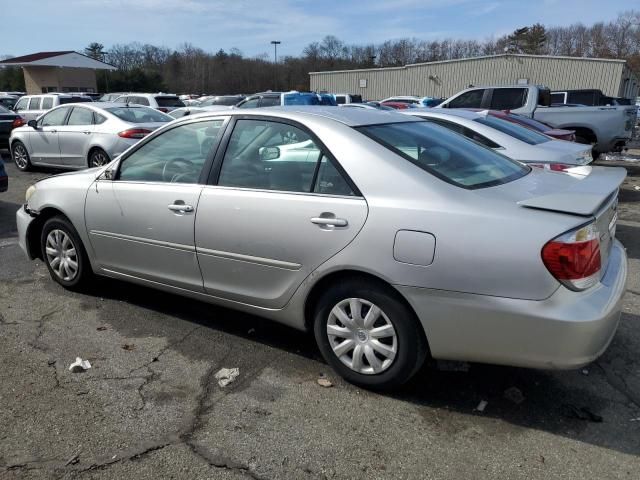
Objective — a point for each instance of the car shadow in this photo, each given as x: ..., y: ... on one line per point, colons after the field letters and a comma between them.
x: 628, y: 236
x: 8, y: 227
x: 544, y: 393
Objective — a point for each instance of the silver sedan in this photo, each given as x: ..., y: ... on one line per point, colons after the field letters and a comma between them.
x: 82, y: 135
x: 391, y: 238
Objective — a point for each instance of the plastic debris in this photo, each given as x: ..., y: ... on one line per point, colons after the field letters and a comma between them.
x: 481, y: 406
x: 580, y: 413
x: 226, y: 375
x: 585, y: 371
x: 325, y: 382
x: 514, y: 394
x: 79, y: 365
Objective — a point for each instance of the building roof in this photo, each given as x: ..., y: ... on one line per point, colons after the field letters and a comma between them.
x: 65, y: 58
x: 470, y: 59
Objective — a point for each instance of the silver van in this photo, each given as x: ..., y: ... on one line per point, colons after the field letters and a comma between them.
x: 30, y: 107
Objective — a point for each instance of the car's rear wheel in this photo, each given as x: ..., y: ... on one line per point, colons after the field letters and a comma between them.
x: 369, y: 335
x: 21, y: 156
x: 98, y: 158
x: 64, y: 254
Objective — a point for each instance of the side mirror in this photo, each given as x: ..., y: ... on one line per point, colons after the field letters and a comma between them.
x: 33, y: 124
x: 269, y: 153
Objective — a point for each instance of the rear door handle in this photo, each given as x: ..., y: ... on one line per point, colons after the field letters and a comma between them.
x: 180, y: 207
x: 334, y: 222
x: 86, y: 133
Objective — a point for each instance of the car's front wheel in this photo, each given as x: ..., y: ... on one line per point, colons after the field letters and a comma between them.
x: 369, y: 335
x: 21, y: 156
x: 64, y: 254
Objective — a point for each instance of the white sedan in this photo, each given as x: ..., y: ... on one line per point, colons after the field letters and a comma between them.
x: 514, y: 141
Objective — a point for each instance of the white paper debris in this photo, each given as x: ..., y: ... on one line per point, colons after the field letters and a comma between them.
x: 226, y: 375
x: 79, y: 365
x: 325, y: 382
x: 482, y: 405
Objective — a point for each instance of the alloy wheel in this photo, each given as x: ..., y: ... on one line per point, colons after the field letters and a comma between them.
x: 62, y: 255
x: 362, y: 336
x: 98, y: 159
x: 20, y: 156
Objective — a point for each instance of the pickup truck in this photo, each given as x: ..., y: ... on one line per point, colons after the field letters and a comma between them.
x: 607, y: 128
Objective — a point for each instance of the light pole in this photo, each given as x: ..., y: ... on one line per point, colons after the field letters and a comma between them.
x: 106, y: 75
x: 275, y: 44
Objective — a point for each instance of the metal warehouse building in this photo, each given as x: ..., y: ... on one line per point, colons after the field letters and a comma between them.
x: 443, y: 79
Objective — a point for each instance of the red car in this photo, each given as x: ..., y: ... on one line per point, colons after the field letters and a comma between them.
x: 568, y: 135
x: 397, y: 105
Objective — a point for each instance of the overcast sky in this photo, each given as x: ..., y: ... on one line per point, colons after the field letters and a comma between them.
x: 44, y: 25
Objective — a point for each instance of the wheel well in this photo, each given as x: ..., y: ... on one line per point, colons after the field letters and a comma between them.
x: 342, y: 276
x: 91, y: 150
x: 35, y: 229
x: 585, y: 133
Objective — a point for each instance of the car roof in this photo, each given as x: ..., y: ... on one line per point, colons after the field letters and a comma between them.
x: 452, y: 112
x: 352, y: 117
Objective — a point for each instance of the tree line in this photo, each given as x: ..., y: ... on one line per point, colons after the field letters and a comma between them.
x: 189, y: 69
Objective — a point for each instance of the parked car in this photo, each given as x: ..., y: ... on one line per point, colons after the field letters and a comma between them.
x: 514, y: 141
x: 8, y: 101
x: 415, y: 101
x: 399, y: 105
x: 222, y: 100
x: 558, y: 134
x: 367, y: 105
x: 111, y: 97
x: 606, y: 128
x: 4, y: 178
x: 14, y: 94
x: 435, y: 245
x: 293, y: 97
x: 8, y: 121
x: 82, y: 135
x: 160, y: 101
x: 30, y: 107
x: 347, y: 98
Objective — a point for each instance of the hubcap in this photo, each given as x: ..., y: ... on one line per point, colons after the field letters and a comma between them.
x: 20, y: 156
x: 362, y: 336
x: 98, y: 159
x: 61, y: 255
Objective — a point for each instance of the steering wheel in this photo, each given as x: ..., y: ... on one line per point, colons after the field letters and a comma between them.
x: 180, y: 163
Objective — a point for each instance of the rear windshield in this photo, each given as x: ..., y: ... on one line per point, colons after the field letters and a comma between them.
x: 64, y: 100
x: 517, y: 131
x: 447, y: 155
x: 541, y: 127
x: 169, y: 102
x: 139, y: 114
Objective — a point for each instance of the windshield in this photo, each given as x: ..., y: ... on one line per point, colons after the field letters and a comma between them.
x: 139, y: 114
x: 169, y: 102
x: 447, y: 155
x: 227, y: 101
x: 517, y: 131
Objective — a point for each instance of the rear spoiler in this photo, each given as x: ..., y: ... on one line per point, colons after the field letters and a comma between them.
x: 585, y: 197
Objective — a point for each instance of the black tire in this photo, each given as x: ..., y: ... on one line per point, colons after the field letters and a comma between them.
x: 412, y: 348
x: 84, y: 275
x: 20, y: 156
x: 98, y: 158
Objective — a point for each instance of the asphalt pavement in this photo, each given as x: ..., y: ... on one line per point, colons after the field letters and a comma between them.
x: 151, y: 408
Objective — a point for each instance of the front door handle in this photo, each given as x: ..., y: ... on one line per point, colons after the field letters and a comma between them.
x: 180, y: 207
x: 53, y: 131
x: 333, y: 222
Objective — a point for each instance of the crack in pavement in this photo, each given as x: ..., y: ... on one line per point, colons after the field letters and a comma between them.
x: 40, y: 327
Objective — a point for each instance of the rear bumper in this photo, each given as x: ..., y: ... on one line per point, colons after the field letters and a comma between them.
x: 567, y: 330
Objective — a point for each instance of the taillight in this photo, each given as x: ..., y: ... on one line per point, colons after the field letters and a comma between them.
x: 18, y: 122
x: 163, y: 110
x: 574, y: 257
x: 134, y: 133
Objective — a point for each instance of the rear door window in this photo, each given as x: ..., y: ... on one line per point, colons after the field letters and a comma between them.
x: 34, y: 104
x: 472, y: 99
x: 80, y: 116
x: 270, y: 101
x: 508, y: 98
x: 47, y: 103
